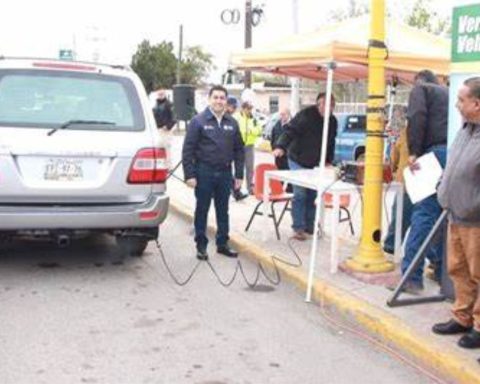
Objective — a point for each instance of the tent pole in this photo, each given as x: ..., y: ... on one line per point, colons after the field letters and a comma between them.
x: 320, y: 190
x: 295, y: 81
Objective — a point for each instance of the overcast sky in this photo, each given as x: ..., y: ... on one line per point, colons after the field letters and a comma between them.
x: 39, y: 28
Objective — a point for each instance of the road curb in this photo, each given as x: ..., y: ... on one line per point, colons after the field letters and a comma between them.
x: 384, y: 326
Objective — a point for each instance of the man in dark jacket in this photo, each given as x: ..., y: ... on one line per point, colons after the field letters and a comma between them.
x: 213, y: 141
x: 302, y: 141
x: 163, y: 112
x: 277, y: 130
x: 427, y: 130
x: 459, y: 193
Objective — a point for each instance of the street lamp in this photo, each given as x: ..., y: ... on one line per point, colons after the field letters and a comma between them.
x: 253, y: 17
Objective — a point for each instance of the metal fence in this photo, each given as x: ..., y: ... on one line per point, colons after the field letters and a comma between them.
x: 351, y: 108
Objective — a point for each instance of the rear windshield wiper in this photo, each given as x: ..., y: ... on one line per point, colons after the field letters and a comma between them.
x: 79, y: 122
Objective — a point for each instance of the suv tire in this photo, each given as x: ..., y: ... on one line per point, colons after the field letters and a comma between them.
x: 132, y: 245
x: 360, y: 154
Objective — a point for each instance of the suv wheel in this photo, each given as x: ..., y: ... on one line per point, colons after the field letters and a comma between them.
x: 132, y: 245
x: 360, y: 154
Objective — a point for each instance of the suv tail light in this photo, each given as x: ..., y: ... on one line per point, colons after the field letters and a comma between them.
x: 148, y: 166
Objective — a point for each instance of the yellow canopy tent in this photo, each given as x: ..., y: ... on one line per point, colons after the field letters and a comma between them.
x: 346, y: 43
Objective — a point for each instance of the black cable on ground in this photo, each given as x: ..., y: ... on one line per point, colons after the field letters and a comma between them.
x: 172, y: 275
x: 333, y: 321
x: 239, y: 266
x: 260, y: 271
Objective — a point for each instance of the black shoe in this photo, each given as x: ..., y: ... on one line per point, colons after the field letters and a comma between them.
x: 471, y: 340
x: 240, y: 196
x: 388, y: 250
x: 202, y: 254
x: 451, y: 327
x: 227, y: 251
x: 409, y: 287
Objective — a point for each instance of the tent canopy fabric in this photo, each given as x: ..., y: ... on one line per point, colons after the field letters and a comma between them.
x: 346, y: 43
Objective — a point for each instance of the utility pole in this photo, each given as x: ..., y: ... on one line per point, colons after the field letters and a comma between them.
x: 295, y: 81
x: 248, y: 39
x: 180, y: 49
x: 95, y: 38
x: 370, y: 257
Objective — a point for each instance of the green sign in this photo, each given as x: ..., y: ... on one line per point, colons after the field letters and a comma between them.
x: 466, y: 33
x: 65, y: 54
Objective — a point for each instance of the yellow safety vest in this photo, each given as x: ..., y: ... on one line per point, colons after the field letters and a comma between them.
x: 248, y: 128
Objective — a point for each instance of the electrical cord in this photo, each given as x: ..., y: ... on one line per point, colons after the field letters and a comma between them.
x: 260, y: 271
x: 333, y: 321
x: 177, y: 281
x: 336, y: 323
x: 275, y: 280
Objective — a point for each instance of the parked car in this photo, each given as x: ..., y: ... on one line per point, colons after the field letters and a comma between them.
x: 351, y: 134
x: 80, y: 153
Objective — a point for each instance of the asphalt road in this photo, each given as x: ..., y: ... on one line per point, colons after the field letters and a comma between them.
x: 85, y: 315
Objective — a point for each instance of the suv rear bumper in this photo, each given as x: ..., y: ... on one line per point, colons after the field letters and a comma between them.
x: 147, y: 214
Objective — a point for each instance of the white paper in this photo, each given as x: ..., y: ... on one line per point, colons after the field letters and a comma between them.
x: 422, y: 182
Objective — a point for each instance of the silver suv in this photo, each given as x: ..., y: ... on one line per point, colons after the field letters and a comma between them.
x: 79, y: 153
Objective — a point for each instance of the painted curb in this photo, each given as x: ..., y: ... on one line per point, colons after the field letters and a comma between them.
x: 382, y: 325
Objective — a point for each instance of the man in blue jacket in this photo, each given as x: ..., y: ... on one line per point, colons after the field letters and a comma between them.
x: 212, y: 143
x: 427, y: 130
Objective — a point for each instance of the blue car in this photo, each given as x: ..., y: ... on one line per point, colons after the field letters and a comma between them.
x: 351, y: 135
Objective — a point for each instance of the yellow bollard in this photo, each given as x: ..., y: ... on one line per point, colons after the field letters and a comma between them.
x: 370, y: 256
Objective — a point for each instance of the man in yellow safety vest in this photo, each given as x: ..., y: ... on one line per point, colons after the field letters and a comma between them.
x: 250, y: 130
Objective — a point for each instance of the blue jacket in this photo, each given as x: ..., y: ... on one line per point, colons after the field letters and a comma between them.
x: 216, y: 145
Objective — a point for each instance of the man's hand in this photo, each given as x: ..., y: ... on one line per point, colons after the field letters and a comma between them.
x: 192, y: 183
x: 238, y: 184
x: 412, y: 163
x: 278, y: 152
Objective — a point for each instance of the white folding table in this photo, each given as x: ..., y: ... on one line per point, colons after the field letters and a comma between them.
x: 311, y: 179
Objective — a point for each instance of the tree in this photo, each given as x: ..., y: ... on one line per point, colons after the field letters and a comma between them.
x: 271, y: 79
x: 155, y: 65
x: 355, y: 8
x: 196, y: 65
x: 423, y: 17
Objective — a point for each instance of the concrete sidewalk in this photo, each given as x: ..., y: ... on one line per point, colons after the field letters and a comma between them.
x: 408, y: 329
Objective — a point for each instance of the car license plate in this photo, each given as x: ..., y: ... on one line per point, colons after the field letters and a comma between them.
x: 63, y: 170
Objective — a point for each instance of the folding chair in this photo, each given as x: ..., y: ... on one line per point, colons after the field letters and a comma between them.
x: 277, y: 195
x: 344, y: 204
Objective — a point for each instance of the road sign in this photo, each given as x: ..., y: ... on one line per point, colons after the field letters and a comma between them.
x: 465, y: 58
x: 466, y: 33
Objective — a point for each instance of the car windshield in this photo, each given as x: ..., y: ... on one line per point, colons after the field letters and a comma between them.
x: 47, y: 99
x: 356, y: 123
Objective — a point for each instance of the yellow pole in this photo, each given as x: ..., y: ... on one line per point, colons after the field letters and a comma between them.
x: 370, y: 257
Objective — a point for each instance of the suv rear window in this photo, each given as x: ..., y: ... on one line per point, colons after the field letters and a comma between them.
x: 48, y: 99
x: 356, y: 123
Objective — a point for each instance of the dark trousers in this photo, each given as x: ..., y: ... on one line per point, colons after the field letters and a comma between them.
x: 424, y: 215
x: 282, y: 164
x: 212, y: 184
x: 303, y: 204
x: 389, y: 244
